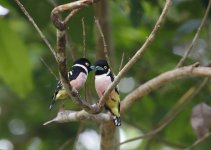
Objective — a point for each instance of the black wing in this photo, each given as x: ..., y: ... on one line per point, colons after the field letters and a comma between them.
x: 72, y: 75
x: 58, y: 87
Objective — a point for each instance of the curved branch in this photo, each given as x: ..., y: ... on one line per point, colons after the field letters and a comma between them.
x: 156, y: 82
x: 73, y: 7
x: 67, y: 116
x: 138, y: 54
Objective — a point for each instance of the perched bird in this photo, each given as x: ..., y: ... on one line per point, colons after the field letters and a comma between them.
x: 103, y: 78
x: 77, y: 77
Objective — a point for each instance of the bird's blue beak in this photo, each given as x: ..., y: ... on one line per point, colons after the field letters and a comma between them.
x: 92, y: 67
x: 95, y: 68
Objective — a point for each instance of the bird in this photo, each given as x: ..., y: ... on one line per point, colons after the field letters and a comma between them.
x: 77, y: 78
x: 103, y: 78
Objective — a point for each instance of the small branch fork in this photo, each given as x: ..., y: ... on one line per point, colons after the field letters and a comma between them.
x: 73, y: 7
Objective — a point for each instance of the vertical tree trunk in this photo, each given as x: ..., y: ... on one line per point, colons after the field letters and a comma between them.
x: 109, y: 133
x: 102, y: 14
x: 109, y: 136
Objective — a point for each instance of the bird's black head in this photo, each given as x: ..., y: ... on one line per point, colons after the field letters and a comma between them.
x: 102, y: 67
x: 83, y: 63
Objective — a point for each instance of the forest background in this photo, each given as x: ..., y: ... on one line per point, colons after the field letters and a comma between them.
x: 27, y: 83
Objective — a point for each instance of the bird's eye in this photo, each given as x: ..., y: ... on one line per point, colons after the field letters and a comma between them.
x: 105, y: 67
x: 87, y: 64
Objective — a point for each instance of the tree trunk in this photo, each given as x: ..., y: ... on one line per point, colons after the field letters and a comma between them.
x: 102, y: 14
x: 109, y: 133
x: 109, y: 136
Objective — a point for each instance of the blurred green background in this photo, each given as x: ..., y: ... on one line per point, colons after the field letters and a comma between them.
x: 26, y: 85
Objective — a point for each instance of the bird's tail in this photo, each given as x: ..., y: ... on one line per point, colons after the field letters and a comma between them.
x: 117, y: 121
x: 52, y: 103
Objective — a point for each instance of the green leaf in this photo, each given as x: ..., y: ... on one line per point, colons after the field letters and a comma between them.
x: 15, y: 67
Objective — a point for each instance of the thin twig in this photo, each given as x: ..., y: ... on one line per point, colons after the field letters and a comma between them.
x: 84, y: 46
x: 73, y: 7
x: 122, y: 61
x: 104, y: 43
x: 67, y: 19
x: 180, y: 105
x: 84, y: 36
x: 183, y: 101
x: 197, y: 142
x: 187, y: 52
x: 156, y: 137
x: 49, y: 69
x: 169, y: 143
x: 63, y: 146
x: 71, y: 47
x: 138, y: 54
x: 35, y: 25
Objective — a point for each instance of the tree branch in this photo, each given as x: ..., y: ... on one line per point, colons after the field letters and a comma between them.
x: 105, y: 49
x: 138, y: 54
x: 187, y: 52
x: 122, y: 61
x: 35, y: 26
x: 49, y: 69
x: 73, y: 7
x: 108, y: 136
x: 84, y: 36
x: 156, y: 82
x: 68, y: 116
